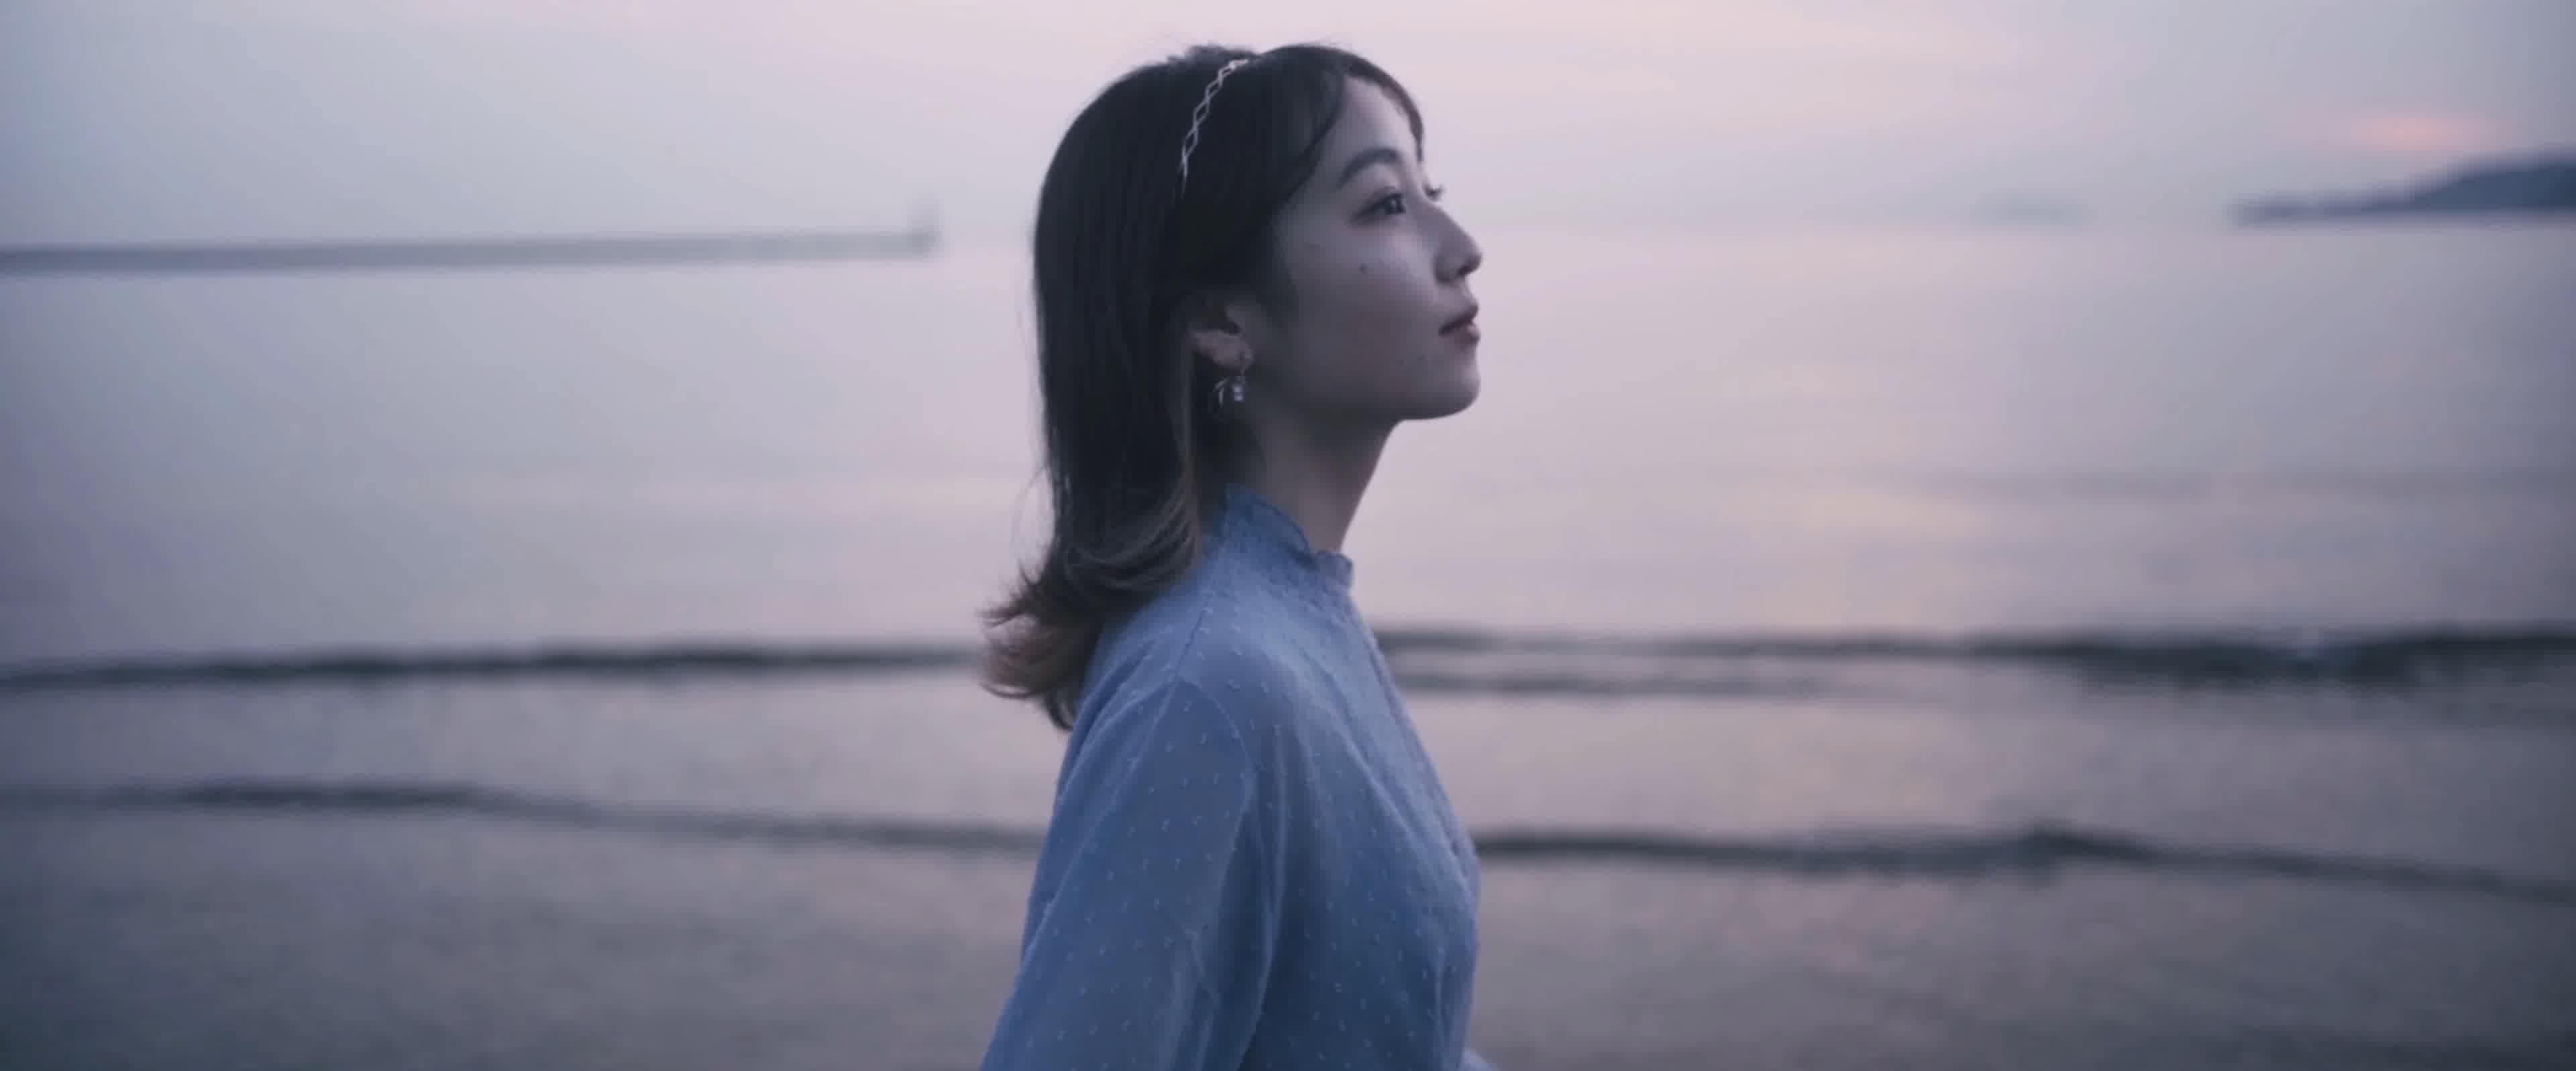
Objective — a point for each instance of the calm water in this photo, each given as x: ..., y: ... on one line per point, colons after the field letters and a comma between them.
x: 2146, y: 649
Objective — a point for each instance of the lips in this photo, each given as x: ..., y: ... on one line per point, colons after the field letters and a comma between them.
x: 1465, y: 321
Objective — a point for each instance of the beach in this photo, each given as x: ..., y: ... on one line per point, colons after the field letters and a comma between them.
x: 1932, y: 648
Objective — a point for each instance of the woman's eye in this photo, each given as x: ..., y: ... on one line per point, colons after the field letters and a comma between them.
x: 1390, y: 205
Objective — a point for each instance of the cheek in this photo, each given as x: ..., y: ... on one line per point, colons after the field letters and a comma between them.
x: 1369, y: 305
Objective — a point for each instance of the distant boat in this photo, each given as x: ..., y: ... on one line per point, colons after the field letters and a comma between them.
x: 575, y: 251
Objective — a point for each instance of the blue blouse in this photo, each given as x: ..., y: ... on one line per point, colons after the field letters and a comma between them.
x: 1251, y: 862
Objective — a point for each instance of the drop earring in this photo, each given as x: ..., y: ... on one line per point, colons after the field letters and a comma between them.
x: 1229, y: 395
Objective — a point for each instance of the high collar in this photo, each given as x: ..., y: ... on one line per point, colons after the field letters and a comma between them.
x: 1269, y: 531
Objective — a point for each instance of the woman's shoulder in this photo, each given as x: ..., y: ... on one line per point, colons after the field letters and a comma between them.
x: 1229, y: 644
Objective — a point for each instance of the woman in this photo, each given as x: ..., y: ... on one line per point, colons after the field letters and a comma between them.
x: 1244, y: 283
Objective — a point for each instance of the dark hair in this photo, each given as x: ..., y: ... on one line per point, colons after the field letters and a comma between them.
x: 1134, y: 463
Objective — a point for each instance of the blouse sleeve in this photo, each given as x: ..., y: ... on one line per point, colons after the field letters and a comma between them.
x: 1156, y: 923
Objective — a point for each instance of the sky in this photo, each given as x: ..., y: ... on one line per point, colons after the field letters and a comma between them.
x: 177, y: 120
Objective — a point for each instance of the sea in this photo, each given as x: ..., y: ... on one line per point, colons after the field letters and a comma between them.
x: 2093, y: 647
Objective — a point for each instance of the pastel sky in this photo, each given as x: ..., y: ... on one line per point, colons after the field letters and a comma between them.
x: 181, y: 119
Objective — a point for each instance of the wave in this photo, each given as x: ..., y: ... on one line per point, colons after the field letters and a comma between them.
x: 1497, y: 662
x: 2036, y: 851
x: 636, y: 662
x: 393, y: 798
x: 2388, y: 658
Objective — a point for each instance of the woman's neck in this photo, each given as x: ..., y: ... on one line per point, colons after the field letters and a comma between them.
x: 1315, y: 477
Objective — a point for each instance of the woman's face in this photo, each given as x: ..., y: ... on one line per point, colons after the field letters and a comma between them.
x: 1376, y: 324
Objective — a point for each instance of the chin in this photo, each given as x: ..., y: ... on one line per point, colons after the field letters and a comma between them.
x: 1450, y: 398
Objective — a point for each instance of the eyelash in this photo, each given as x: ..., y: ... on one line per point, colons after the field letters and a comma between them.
x: 1375, y: 207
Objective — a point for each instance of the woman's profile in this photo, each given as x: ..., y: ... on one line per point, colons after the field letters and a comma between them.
x: 1244, y: 282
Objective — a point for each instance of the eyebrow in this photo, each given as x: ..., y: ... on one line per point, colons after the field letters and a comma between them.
x: 1377, y: 155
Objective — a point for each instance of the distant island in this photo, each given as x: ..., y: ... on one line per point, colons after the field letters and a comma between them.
x: 2546, y: 184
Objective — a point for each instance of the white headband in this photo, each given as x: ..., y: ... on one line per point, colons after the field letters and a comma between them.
x: 1198, y: 115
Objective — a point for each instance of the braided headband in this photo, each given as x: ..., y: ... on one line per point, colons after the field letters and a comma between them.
x: 1198, y: 115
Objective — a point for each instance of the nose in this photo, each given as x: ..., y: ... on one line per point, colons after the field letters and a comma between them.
x: 1461, y: 255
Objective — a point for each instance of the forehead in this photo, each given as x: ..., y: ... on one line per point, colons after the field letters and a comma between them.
x: 1369, y: 118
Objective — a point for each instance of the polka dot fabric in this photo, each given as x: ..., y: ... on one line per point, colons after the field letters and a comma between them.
x: 1251, y: 862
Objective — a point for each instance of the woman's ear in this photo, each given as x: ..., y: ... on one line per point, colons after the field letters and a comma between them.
x: 1213, y: 328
